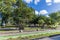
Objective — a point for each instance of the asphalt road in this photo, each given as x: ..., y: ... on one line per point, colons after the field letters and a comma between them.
x: 50, y: 38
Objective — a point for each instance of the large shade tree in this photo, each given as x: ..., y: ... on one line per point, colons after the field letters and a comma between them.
x: 23, y: 13
x: 6, y: 9
x: 55, y: 16
x: 17, y: 9
x: 54, y: 19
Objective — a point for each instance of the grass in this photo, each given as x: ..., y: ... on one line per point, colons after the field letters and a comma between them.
x: 30, y: 36
x: 32, y: 29
x: 36, y: 36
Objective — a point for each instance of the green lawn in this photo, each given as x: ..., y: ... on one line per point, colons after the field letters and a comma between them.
x: 31, y: 34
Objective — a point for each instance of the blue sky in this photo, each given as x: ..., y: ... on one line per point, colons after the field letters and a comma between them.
x: 44, y: 6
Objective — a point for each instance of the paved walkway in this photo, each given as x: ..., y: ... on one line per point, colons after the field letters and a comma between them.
x: 13, y: 34
x: 9, y: 33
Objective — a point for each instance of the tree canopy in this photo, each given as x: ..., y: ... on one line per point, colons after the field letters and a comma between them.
x: 17, y: 9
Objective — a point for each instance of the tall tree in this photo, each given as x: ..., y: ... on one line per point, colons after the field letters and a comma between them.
x: 55, y: 16
x: 6, y: 9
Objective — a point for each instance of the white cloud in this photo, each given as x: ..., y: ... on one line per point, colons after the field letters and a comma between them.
x: 36, y: 1
x: 48, y: 1
x: 43, y: 12
x: 49, y: 4
x: 28, y: 1
x: 56, y: 1
x: 36, y: 12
